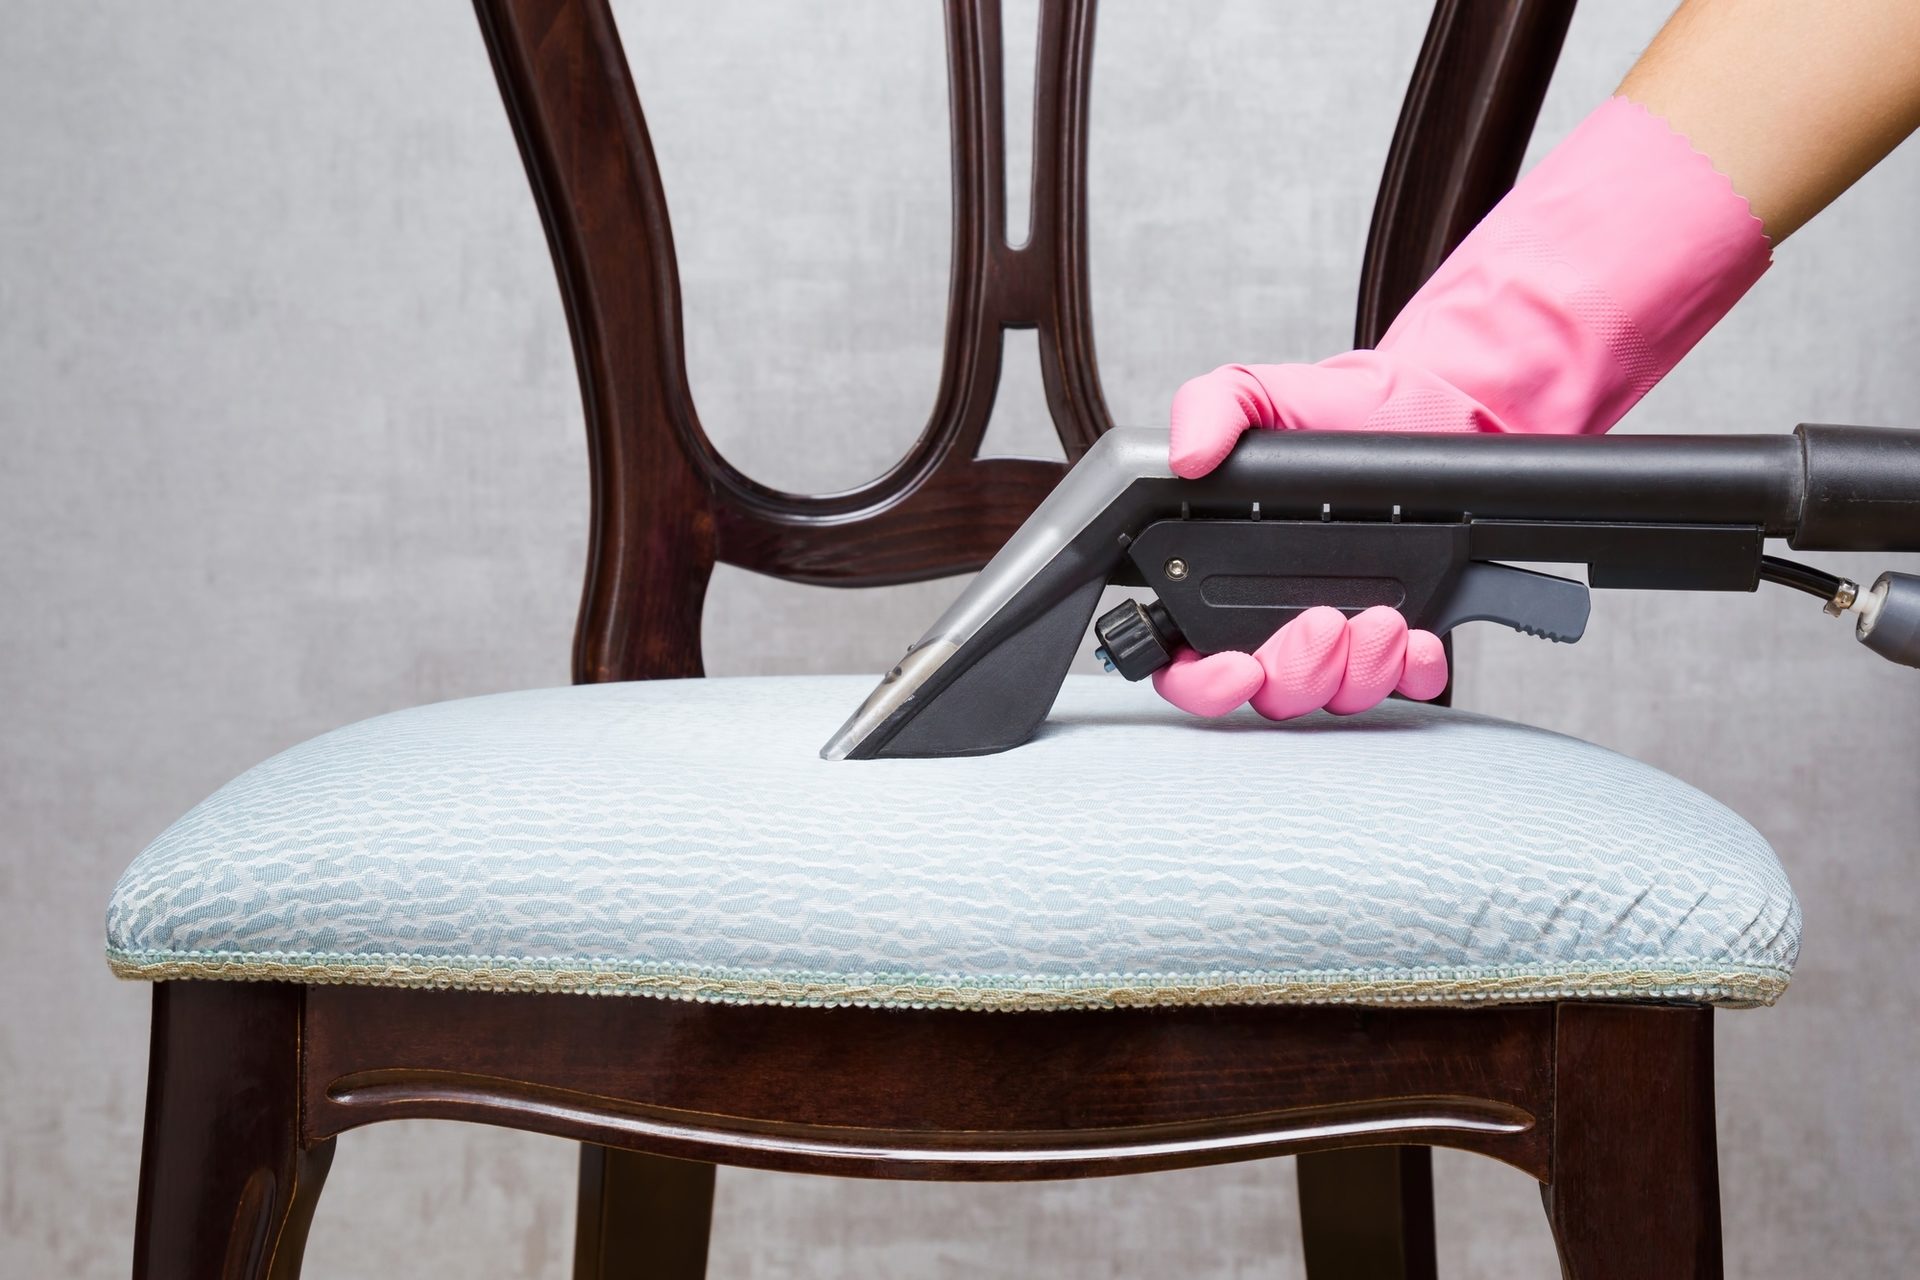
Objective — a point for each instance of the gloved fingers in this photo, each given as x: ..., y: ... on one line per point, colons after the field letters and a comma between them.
x: 1209, y: 686
x: 1210, y: 413
x: 1320, y: 659
x: 1341, y: 394
x: 1376, y: 660
x: 1304, y: 663
x: 1426, y: 673
x: 1346, y: 393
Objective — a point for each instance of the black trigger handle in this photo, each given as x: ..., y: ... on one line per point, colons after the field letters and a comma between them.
x: 1538, y: 604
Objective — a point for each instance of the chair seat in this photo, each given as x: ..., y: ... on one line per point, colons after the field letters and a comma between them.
x: 682, y: 838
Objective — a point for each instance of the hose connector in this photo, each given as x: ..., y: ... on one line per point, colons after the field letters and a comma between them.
x: 1845, y: 596
x: 1890, y: 618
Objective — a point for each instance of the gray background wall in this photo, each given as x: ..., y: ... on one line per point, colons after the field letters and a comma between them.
x: 291, y: 437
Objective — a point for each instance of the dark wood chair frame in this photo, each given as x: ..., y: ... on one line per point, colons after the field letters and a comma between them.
x: 1608, y: 1105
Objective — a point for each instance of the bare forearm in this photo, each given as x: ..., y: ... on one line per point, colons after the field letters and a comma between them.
x: 1793, y: 100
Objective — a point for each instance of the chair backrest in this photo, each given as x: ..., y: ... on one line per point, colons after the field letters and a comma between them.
x: 667, y: 506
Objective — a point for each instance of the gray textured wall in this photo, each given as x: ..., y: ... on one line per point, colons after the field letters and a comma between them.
x: 291, y: 437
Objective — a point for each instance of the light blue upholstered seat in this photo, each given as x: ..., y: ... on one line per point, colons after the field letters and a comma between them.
x: 681, y: 838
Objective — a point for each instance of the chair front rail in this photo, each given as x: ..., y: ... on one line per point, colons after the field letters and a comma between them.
x: 935, y: 1094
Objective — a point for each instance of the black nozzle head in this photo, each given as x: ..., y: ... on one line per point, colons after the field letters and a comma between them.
x: 1893, y: 631
x: 1135, y: 639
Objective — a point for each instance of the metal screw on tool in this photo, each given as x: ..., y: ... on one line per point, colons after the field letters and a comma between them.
x: 1176, y: 568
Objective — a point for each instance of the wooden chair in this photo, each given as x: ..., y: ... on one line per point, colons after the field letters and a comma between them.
x: 1608, y: 1104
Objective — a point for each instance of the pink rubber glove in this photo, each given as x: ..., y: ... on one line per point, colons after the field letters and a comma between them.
x: 1577, y: 293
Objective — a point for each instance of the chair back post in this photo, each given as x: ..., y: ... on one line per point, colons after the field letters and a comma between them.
x: 651, y: 544
x: 1464, y: 126
x: 667, y: 506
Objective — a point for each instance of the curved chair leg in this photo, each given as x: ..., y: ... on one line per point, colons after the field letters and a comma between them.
x: 1366, y: 1213
x: 641, y: 1217
x: 226, y: 1189
x: 1635, y: 1189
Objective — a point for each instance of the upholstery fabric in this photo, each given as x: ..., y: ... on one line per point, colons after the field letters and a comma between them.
x: 682, y: 838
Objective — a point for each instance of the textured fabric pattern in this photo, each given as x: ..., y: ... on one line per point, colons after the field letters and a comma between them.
x: 682, y: 838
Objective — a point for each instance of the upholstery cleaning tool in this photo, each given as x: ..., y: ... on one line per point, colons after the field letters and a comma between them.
x: 1420, y: 522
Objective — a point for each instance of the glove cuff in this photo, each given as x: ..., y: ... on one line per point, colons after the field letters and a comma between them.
x: 1589, y: 281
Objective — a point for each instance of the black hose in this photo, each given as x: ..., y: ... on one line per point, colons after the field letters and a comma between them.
x: 1800, y: 577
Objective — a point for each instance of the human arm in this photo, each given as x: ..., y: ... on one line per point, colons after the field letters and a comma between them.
x: 1794, y: 100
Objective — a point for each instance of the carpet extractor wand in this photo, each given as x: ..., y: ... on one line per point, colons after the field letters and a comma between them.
x: 1295, y: 519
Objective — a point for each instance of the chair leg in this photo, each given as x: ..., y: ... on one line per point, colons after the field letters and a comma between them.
x: 226, y: 1189
x: 1635, y: 1187
x: 641, y: 1217
x: 1366, y: 1213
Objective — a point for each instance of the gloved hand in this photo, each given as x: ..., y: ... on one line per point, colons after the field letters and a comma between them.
x: 1577, y: 293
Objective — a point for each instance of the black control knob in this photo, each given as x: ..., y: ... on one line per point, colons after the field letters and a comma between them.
x: 1135, y: 639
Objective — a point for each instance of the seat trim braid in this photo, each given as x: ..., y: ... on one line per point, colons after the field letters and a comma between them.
x: 1670, y: 979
